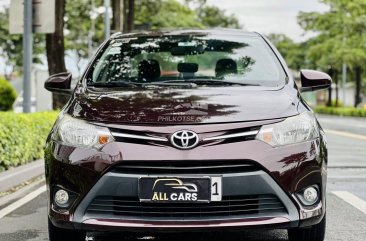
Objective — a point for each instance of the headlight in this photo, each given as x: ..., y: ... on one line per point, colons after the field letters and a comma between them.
x: 293, y: 130
x: 74, y: 132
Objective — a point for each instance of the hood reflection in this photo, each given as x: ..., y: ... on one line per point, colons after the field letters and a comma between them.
x: 183, y: 106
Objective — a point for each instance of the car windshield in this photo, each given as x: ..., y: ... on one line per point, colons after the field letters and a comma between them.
x: 201, y: 59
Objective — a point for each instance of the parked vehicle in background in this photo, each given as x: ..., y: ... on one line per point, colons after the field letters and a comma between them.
x: 194, y: 130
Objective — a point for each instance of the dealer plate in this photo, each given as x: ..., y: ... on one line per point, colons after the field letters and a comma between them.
x: 180, y: 189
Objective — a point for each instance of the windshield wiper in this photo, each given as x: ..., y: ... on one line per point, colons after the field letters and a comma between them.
x: 178, y: 82
x: 170, y: 83
x: 114, y: 84
x: 204, y: 81
x: 145, y: 84
x: 214, y: 81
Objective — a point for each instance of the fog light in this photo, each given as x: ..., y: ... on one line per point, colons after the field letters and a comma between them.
x: 310, y: 195
x: 61, y: 198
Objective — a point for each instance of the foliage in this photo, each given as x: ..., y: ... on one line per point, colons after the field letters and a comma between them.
x: 22, y: 137
x: 293, y: 53
x: 149, y: 14
x: 335, y: 104
x: 11, y: 46
x: 341, y: 111
x: 7, y: 95
x: 160, y: 14
x: 212, y: 16
x: 341, y: 38
x: 341, y: 33
x: 79, y: 26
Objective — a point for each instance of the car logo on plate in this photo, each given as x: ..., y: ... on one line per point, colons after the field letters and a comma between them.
x: 176, y: 183
x: 184, y: 139
x: 181, y: 191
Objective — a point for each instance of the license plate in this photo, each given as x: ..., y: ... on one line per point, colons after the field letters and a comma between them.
x: 180, y: 189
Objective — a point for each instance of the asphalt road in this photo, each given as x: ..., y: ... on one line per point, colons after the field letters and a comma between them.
x: 346, y: 188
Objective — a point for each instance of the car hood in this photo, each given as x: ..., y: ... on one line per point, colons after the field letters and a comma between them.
x: 184, y: 106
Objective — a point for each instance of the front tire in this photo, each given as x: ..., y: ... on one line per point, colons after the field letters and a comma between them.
x: 313, y: 233
x: 60, y: 234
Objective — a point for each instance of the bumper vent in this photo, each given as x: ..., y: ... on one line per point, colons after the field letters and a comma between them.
x: 236, y: 206
x: 185, y: 167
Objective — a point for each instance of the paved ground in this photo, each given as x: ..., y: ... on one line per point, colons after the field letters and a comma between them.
x: 345, y: 151
x: 347, y: 172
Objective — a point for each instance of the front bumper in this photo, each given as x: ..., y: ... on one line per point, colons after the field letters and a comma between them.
x: 281, y: 173
x: 263, y: 203
x: 120, y: 187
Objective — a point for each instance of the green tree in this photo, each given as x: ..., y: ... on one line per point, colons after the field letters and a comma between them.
x: 158, y: 14
x: 342, y: 30
x: 55, y: 51
x: 341, y: 37
x: 11, y: 45
x: 83, y: 27
x: 172, y: 14
x: 293, y: 53
x: 211, y: 16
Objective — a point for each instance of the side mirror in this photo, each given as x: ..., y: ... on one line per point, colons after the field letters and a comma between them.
x: 59, y: 83
x: 312, y: 80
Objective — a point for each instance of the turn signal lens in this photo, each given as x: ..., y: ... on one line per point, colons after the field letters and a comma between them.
x: 267, y: 137
x: 103, y: 139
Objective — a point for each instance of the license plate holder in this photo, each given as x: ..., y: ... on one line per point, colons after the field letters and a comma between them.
x: 180, y: 189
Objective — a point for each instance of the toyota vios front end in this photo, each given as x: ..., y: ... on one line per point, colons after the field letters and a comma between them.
x: 186, y: 131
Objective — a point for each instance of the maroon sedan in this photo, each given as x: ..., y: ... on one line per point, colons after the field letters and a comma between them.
x: 190, y: 130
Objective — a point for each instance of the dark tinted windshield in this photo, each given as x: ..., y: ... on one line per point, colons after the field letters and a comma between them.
x: 241, y: 59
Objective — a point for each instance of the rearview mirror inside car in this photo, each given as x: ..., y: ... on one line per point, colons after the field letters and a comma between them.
x: 312, y: 80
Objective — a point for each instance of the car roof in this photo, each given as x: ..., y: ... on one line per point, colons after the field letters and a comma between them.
x: 183, y: 32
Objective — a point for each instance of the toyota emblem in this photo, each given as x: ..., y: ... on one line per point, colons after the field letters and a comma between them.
x: 184, y: 139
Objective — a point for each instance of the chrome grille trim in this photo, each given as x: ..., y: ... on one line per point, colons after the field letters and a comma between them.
x: 140, y: 137
x: 242, y: 134
x: 163, y: 139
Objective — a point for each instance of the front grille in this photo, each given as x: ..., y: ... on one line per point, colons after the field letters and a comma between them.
x: 184, y: 167
x: 162, y: 139
x: 234, y: 206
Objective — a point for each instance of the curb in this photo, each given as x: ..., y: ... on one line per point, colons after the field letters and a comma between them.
x: 10, y: 198
x: 16, y: 176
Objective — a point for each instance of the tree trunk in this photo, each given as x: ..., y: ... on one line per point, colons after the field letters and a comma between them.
x: 128, y: 15
x: 56, y: 51
x: 116, y: 12
x: 358, y: 86
x: 125, y: 11
x: 336, y: 87
x: 330, y: 72
x: 131, y: 15
x: 329, y: 103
